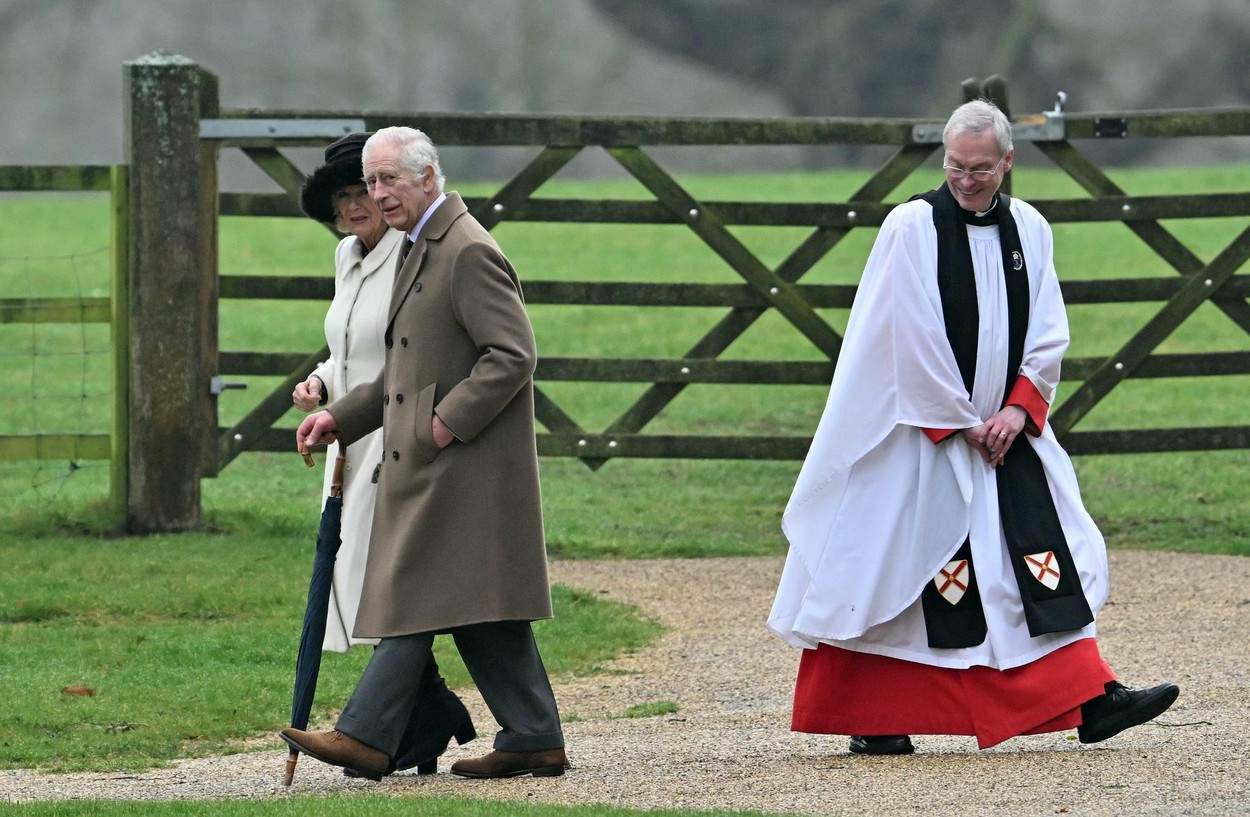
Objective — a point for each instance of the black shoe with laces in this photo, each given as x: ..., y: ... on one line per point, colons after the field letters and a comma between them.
x: 1119, y: 708
x: 881, y: 745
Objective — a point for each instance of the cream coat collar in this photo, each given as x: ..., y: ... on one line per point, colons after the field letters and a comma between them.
x: 382, y: 252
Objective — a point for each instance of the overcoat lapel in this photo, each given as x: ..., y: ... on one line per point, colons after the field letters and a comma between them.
x: 374, y: 259
x: 410, y: 268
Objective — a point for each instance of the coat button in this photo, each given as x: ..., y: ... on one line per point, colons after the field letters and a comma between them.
x: 416, y: 287
x: 399, y: 398
x: 386, y: 399
x: 403, y: 342
x: 394, y: 455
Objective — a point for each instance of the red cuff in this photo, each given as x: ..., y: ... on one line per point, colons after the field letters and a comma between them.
x: 1025, y: 395
x: 936, y: 435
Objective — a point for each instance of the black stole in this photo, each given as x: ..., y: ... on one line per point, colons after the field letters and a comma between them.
x: 1030, y: 522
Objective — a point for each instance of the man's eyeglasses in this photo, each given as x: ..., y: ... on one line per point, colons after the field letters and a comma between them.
x: 979, y: 175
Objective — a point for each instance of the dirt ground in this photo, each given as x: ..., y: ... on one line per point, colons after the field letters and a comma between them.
x: 1175, y: 617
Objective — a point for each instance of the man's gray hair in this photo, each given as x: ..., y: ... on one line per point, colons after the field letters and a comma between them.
x: 975, y: 117
x: 416, y: 151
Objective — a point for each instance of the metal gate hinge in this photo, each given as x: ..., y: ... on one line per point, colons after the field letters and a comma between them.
x: 217, y: 384
x: 1047, y: 126
x: 1110, y: 127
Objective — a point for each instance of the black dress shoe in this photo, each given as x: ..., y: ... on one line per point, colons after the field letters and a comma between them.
x: 425, y: 767
x: 1119, y: 708
x: 881, y: 745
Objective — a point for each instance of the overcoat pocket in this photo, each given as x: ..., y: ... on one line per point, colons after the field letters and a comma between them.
x: 426, y: 447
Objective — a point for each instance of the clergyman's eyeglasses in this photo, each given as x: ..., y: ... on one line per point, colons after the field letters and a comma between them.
x: 979, y: 175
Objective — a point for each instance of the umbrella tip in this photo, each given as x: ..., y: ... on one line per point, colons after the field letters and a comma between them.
x: 289, y: 776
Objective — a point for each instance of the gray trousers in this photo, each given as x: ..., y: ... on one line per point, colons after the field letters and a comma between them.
x: 503, y: 659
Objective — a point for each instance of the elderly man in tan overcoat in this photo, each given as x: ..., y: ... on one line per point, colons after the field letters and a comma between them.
x: 457, y: 544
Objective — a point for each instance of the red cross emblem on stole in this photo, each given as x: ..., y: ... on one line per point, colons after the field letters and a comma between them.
x: 952, y: 581
x: 1044, y: 568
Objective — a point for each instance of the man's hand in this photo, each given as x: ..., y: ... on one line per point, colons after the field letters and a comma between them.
x: 442, y: 434
x: 976, y: 438
x: 1001, y: 431
x: 307, y: 395
x: 316, y: 429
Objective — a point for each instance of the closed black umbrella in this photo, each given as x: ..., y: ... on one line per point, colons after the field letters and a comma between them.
x: 308, y: 664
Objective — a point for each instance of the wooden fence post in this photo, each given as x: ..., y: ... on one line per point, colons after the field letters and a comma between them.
x: 993, y: 88
x: 172, y: 290
x: 119, y: 336
x: 996, y: 92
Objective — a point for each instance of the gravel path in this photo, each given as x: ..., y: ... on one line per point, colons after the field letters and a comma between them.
x: 1178, y: 617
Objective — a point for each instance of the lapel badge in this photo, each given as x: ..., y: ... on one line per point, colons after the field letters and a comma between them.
x: 952, y: 581
x: 1044, y: 568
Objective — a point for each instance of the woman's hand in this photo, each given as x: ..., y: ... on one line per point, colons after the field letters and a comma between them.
x: 307, y: 395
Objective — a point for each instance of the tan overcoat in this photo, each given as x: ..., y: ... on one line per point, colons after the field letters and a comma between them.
x: 457, y: 532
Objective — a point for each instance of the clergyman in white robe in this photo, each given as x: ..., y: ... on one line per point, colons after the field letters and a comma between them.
x: 880, y: 508
x: 896, y: 520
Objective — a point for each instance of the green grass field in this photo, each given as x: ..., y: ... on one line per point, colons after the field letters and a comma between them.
x: 132, y: 617
x: 1188, y: 501
x: 371, y: 804
x: 188, y: 645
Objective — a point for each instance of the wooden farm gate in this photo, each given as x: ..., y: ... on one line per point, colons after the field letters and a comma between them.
x: 261, y: 134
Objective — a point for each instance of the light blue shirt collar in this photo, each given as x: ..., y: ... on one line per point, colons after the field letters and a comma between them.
x: 429, y: 211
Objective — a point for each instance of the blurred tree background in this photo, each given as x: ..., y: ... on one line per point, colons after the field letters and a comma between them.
x: 60, y: 61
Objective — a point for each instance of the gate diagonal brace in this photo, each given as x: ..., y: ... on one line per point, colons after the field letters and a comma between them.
x: 818, y: 244
x: 233, y: 441
x: 1196, y: 291
x: 708, y: 226
x: 494, y: 210
x: 283, y: 171
x: 1155, y: 235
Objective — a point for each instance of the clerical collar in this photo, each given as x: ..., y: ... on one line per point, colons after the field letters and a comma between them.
x: 987, y: 218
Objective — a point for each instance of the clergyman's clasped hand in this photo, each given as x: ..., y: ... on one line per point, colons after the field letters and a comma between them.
x: 994, y: 437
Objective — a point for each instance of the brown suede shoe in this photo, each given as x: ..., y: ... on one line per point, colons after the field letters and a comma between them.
x: 544, y: 763
x: 339, y: 749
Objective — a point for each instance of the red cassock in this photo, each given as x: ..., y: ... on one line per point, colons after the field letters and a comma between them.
x: 842, y: 692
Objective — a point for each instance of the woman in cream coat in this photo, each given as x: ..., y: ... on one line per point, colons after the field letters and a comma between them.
x: 364, y: 269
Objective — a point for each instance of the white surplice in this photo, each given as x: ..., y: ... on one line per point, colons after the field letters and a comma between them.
x: 355, y: 324
x: 878, y: 508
